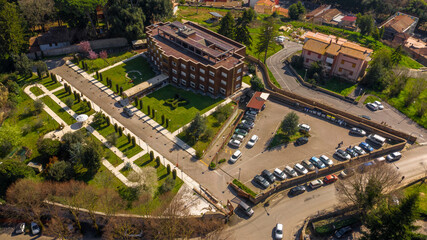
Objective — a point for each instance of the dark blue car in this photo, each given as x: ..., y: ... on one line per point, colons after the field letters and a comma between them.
x: 366, y: 147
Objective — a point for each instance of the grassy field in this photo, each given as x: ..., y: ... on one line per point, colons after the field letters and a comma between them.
x: 122, y: 142
x: 105, y: 179
x: 370, y: 99
x: 99, y: 63
x: 36, y: 91
x: 246, y: 79
x: 78, y: 107
x: 182, y: 114
x: 280, y: 138
x: 118, y: 74
x: 420, y: 188
x: 58, y: 110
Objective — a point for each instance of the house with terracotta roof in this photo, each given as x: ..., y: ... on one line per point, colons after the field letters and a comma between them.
x: 316, y: 12
x: 337, y: 56
x: 348, y: 22
x: 326, y: 17
x: 417, y: 48
x: 399, y: 23
x: 268, y: 7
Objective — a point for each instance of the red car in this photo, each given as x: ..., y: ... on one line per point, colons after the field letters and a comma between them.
x: 330, y: 179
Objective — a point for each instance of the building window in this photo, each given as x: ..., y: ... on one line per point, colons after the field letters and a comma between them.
x: 224, y: 74
x: 157, y: 50
x: 165, y: 60
x: 183, y: 66
x: 309, y: 53
x: 212, y: 73
x: 211, y: 90
x: 174, y: 79
x: 223, y: 82
x: 174, y: 71
x: 192, y: 76
x: 342, y: 61
x: 306, y: 60
x: 354, y: 65
x: 152, y: 58
x: 319, y: 55
x: 201, y: 78
x: 183, y: 82
x: 238, y: 78
x: 222, y: 90
x: 202, y: 87
x: 192, y: 84
x: 202, y: 70
x: 340, y: 70
x: 174, y: 63
x: 211, y: 81
x: 239, y: 70
x: 192, y: 68
x: 158, y: 59
x: 237, y: 86
x: 183, y: 74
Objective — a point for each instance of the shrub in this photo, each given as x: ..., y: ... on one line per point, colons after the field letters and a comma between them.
x: 251, y: 68
x: 112, y: 138
x: 168, y: 185
x: 69, y: 101
x: 199, y: 154
x: 244, y: 187
x: 222, y: 161
x: 38, y: 106
x: 212, y: 165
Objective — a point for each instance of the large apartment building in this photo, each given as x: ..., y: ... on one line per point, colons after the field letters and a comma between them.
x: 196, y: 58
x: 337, y: 56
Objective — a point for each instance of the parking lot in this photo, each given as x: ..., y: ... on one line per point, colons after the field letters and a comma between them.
x: 325, y: 137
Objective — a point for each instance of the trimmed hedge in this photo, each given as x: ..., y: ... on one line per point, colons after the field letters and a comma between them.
x: 244, y: 188
x: 176, y: 101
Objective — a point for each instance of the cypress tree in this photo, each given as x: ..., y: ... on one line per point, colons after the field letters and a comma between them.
x: 120, y: 131
x: 107, y: 120
x: 140, y: 104
x: 136, y: 102
x: 157, y: 161
x: 168, y: 169
x: 148, y: 110
x: 117, y: 88
x: 151, y: 155
x: 174, y: 174
x: 97, y: 74
x: 133, y: 141
x: 116, y: 127
x: 89, y: 105
x: 121, y: 90
x: 129, y: 138
x: 39, y: 74
x: 163, y: 119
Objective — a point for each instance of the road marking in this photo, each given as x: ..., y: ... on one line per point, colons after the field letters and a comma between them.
x: 204, y: 162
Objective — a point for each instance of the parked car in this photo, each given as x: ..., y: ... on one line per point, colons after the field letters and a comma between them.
x: 20, y: 228
x: 280, y: 175
x: 317, y: 163
x: 365, y: 117
x: 128, y: 112
x: 346, y: 173
x: 244, y: 127
x: 302, y: 140
x: 260, y: 180
x: 330, y: 179
x: 316, y: 184
x: 235, y: 142
x: 248, y: 123
x: 343, y: 231
x: 241, y: 132
x: 278, y: 231
x: 363, y: 167
x: 35, y: 228
x: 297, y: 190
x: 326, y: 160
x: 380, y: 160
x: 393, y: 156
x: 366, y: 147
x: 249, y: 117
x: 299, y: 168
x: 251, y: 113
x: 238, y: 137
x: 351, y: 152
x: 304, y: 127
x: 288, y: 170
x: 359, y: 150
x: 246, y: 208
x: 252, y: 141
x: 236, y: 155
x: 308, y: 165
x: 379, y: 105
x: 358, y: 131
x: 372, y: 106
x: 268, y: 176
x: 342, y: 154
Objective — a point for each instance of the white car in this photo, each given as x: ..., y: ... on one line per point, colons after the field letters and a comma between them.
x: 300, y: 169
x: 236, y: 155
x: 35, y: 228
x: 372, y: 106
x: 394, y: 156
x: 326, y: 160
x: 359, y: 150
x: 304, y: 127
x: 379, y: 105
x: 316, y: 184
x: 280, y: 175
x: 278, y: 232
x: 238, y: 137
x: 252, y: 141
x: 291, y: 172
x: 235, y: 142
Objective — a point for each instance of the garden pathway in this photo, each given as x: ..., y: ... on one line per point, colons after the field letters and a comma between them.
x: 116, y: 64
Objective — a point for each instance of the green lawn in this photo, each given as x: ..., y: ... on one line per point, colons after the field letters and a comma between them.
x: 370, y: 99
x: 108, y: 154
x: 99, y: 63
x: 246, y: 79
x: 118, y: 74
x: 78, y: 107
x: 36, y: 91
x: 58, y: 110
x: 122, y: 142
x: 105, y: 179
x: 142, y: 161
x: 280, y: 138
x: 126, y: 170
x: 49, y: 83
x: 420, y: 188
x: 182, y: 114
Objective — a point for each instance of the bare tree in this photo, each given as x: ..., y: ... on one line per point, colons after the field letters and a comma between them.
x: 367, y: 186
x: 89, y: 198
x: 146, y: 179
x: 123, y: 228
x: 418, y: 87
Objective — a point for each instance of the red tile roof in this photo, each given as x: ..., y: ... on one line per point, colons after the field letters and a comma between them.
x: 256, y: 101
x: 349, y: 18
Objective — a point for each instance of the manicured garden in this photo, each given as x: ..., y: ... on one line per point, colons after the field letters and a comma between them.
x: 36, y: 91
x: 99, y: 63
x: 79, y: 107
x: 49, y: 83
x: 180, y: 115
x: 137, y: 69
x: 58, y: 110
x: 244, y: 188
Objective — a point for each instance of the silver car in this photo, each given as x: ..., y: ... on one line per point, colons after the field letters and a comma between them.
x: 326, y: 160
x: 291, y: 172
x: 300, y: 169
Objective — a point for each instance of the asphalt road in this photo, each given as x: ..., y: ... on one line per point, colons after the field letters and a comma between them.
x: 292, y: 212
x: 288, y: 82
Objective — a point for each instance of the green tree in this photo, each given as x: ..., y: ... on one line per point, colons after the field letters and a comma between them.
x: 242, y: 32
x: 156, y: 10
x: 38, y: 106
x: 296, y: 11
x: 379, y: 75
x: 151, y: 155
x: 125, y: 20
x: 266, y: 38
x: 157, y: 161
x: 257, y: 84
x: 197, y: 127
x: 226, y: 26
x: 289, y: 125
x: 69, y: 101
x: 396, y: 55
x: 38, y: 13
x: 112, y: 138
x: 249, y: 15
x: 365, y: 23
x: 10, y: 137
x: 168, y: 169
x: 10, y: 171
x: 168, y: 185
x: 48, y: 147
x: 60, y: 171
x: 22, y: 64
x: 12, y: 33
